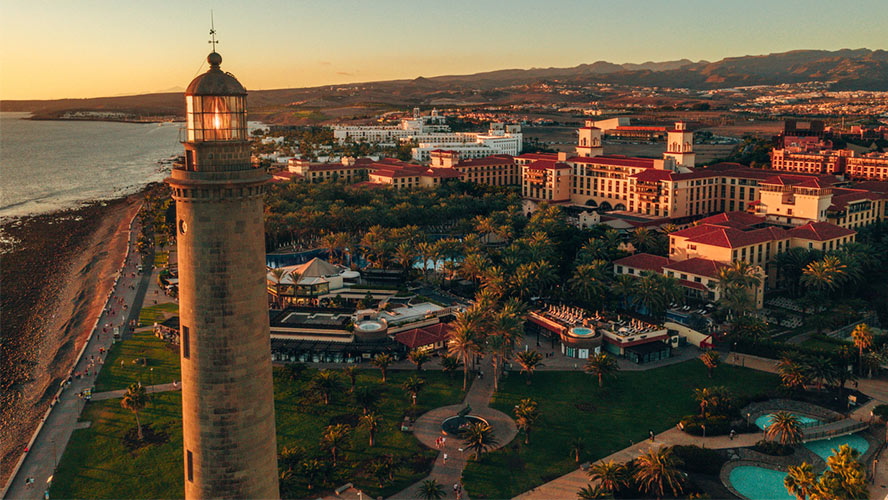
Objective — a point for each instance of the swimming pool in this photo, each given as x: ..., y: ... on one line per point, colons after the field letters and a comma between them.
x: 764, y: 421
x: 579, y: 331
x: 824, y: 447
x: 758, y: 483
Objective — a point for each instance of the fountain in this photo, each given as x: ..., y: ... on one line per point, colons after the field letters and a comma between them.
x: 452, y: 426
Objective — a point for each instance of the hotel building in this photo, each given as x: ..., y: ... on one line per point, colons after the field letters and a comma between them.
x: 496, y: 170
x: 806, y: 159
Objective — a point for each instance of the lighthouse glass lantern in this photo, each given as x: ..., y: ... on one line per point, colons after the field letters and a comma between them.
x: 216, y: 117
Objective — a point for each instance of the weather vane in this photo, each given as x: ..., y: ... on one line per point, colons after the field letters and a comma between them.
x: 212, y: 32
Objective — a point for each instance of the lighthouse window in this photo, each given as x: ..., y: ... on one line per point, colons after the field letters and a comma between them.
x: 186, y: 342
x: 182, y: 226
x: 189, y: 465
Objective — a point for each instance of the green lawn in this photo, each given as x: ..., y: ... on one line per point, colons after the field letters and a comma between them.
x: 611, y: 419
x: 161, y: 356
x: 96, y: 465
x: 157, y: 313
x: 825, y: 345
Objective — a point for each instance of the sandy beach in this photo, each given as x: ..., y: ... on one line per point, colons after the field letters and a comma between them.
x: 56, y: 275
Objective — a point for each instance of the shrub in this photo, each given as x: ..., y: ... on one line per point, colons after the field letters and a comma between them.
x: 715, y: 425
x: 881, y: 411
x: 773, y: 448
x: 700, y: 460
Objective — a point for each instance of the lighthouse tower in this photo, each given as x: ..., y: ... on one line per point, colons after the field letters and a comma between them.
x: 589, y: 141
x: 680, y: 145
x: 227, y: 400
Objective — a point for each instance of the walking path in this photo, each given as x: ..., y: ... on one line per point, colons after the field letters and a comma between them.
x: 150, y: 389
x: 43, y: 456
x: 428, y: 429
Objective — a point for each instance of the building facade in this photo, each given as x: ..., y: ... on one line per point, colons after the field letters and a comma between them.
x: 227, y: 402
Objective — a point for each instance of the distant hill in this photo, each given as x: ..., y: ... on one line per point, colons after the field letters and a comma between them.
x: 847, y: 69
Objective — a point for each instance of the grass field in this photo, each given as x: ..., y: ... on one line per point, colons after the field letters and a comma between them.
x: 96, y: 464
x: 611, y: 419
x: 157, y: 313
x: 159, y: 355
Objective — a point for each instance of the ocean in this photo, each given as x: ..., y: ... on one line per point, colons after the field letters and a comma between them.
x: 52, y: 165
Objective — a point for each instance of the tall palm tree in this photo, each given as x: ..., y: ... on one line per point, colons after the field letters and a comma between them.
x: 135, y: 400
x: 310, y: 470
x: 820, y: 369
x: 382, y: 361
x: 601, y: 365
x: 419, y: 358
x: 424, y: 249
x: 576, y: 448
x: 844, y: 477
x: 413, y: 385
x: 526, y: 415
x: 658, y: 469
x: 499, y: 348
x: 278, y: 274
x: 478, y: 437
x: 784, y: 427
x: 405, y: 255
x: 370, y: 421
x: 529, y: 361
x: 704, y: 398
x: 610, y: 475
x: 334, y: 437
x: 800, y: 480
x: 326, y: 383
x: 430, y: 489
x: 462, y: 344
x: 351, y: 371
x: 624, y: 288
x: 473, y: 266
x: 863, y: 339
x: 710, y: 359
x: 366, y: 398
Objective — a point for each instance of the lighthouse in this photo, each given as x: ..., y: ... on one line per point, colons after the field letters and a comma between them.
x: 227, y: 399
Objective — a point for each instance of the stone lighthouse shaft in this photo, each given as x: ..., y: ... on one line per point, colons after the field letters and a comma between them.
x: 227, y: 400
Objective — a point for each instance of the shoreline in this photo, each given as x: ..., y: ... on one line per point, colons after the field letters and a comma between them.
x: 115, y: 120
x: 55, y: 280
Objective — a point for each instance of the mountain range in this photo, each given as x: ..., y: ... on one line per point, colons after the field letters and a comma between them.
x: 845, y: 69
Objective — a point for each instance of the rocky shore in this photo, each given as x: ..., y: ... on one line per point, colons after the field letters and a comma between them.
x: 56, y: 272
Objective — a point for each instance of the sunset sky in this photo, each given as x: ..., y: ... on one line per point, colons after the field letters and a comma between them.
x: 58, y: 49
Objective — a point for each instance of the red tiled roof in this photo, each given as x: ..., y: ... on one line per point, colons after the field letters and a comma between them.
x: 487, y: 160
x: 729, y: 237
x: 692, y: 284
x: 739, y: 220
x: 653, y: 175
x: 698, y: 266
x: 443, y: 173
x: 642, y: 128
x: 644, y: 261
x: 842, y: 197
x: 284, y: 176
x: 424, y: 336
x: 820, y: 231
x: 874, y: 186
x: 539, y: 156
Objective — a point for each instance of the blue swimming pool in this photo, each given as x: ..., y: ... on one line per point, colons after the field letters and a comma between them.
x: 579, y: 331
x: 758, y: 483
x: 824, y: 447
x: 764, y: 421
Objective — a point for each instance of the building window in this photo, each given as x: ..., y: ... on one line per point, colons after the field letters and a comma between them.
x: 189, y: 465
x: 186, y: 342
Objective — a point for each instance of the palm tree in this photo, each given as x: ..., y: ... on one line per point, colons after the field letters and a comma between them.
x: 800, y: 480
x: 624, y: 287
x: 658, y: 469
x: 370, y: 421
x: 844, y: 477
x: 351, y: 372
x: 473, y: 266
x: 820, y: 369
x: 526, y: 415
x: 462, y: 344
x: 310, y: 470
x: 792, y: 375
x: 478, y: 437
x: 326, y: 382
x: 418, y: 358
x: 382, y: 361
x: 424, y: 249
x: 366, y: 398
x: 710, y: 359
x: 589, y: 282
x: 784, y: 427
x: 601, y: 365
x: 449, y: 364
x: 825, y: 275
x: 135, y: 400
x: 576, y: 448
x: 863, y: 339
x: 499, y: 348
x: 610, y: 475
x: 278, y: 274
x: 590, y: 493
x: 413, y: 385
x: 405, y: 255
x: 334, y: 437
x: 529, y: 361
x: 430, y: 489
x: 706, y: 398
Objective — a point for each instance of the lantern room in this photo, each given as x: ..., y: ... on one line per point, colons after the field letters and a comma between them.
x: 216, y: 106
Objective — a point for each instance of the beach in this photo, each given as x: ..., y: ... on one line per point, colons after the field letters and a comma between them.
x: 57, y: 271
